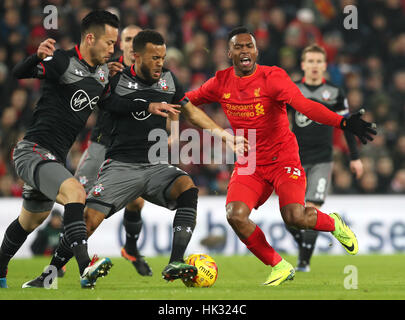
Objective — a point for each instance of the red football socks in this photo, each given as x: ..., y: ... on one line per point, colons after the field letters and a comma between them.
x: 259, y: 246
x: 324, y: 222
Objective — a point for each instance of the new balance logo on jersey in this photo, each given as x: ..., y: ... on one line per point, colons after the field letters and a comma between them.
x: 132, y: 85
x: 80, y: 100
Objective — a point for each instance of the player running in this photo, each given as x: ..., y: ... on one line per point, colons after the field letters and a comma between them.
x: 130, y: 171
x: 94, y: 156
x: 255, y: 97
x: 74, y: 82
x: 315, y: 143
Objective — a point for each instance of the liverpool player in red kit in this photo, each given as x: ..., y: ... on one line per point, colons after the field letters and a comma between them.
x: 254, y: 97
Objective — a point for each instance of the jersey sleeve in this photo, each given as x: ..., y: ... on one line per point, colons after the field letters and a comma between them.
x: 281, y: 87
x: 113, y: 103
x: 179, y: 96
x: 315, y: 111
x: 207, y: 93
x: 112, y: 83
x: 50, y: 68
x: 342, y: 106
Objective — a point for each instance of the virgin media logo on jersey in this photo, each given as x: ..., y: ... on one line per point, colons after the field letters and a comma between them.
x: 81, y: 100
x: 140, y: 115
x: 191, y: 146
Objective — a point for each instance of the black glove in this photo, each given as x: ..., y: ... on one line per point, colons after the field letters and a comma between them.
x: 362, y: 129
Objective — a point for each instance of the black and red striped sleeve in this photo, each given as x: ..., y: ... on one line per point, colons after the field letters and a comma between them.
x: 50, y: 68
x: 179, y: 95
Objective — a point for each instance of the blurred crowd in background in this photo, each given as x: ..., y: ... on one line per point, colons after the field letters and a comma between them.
x: 368, y: 62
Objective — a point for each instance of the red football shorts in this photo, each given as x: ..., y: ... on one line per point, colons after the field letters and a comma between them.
x: 287, y: 180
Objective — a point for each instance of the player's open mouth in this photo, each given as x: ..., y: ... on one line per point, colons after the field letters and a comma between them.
x: 157, y: 73
x: 245, y: 61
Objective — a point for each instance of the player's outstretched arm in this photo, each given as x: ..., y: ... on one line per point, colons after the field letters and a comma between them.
x: 317, y: 112
x: 28, y: 67
x: 200, y: 119
x: 114, y: 103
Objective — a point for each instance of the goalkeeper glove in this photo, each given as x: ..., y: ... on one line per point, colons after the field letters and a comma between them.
x: 362, y: 129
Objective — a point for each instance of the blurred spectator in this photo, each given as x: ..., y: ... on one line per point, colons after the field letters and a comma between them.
x: 343, y: 182
x: 47, y: 238
x: 385, y: 171
x: 368, y: 183
x: 302, y: 31
x: 399, y: 153
x: 398, y: 183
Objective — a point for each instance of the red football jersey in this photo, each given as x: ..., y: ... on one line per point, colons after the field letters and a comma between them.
x: 258, y: 102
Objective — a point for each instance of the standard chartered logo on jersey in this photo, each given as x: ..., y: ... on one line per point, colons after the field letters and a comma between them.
x: 211, y: 147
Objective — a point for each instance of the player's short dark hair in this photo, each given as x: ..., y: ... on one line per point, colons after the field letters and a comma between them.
x: 313, y: 48
x: 147, y: 36
x: 239, y: 30
x: 96, y: 20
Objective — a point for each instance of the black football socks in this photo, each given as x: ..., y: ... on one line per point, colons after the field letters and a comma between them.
x: 133, y: 226
x: 184, y: 223
x: 76, y: 233
x: 14, y: 238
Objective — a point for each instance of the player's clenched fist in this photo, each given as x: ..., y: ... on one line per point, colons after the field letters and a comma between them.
x: 46, y: 48
x: 115, y: 67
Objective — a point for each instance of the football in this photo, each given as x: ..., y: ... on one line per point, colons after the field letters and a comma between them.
x: 207, y: 271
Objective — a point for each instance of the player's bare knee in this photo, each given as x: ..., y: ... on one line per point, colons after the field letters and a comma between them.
x: 181, y: 185
x: 30, y: 221
x: 294, y: 216
x: 136, y: 205
x: 237, y: 215
x: 71, y: 191
x: 92, y: 218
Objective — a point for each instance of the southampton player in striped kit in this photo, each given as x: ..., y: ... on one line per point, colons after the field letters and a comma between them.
x: 315, y: 143
x: 255, y: 97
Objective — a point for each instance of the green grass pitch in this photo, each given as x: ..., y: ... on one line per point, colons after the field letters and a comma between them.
x: 240, y: 278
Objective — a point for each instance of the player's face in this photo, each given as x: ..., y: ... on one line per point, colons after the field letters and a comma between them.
x: 103, y: 46
x: 151, y: 61
x: 127, y: 36
x: 314, y: 65
x: 243, y: 53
